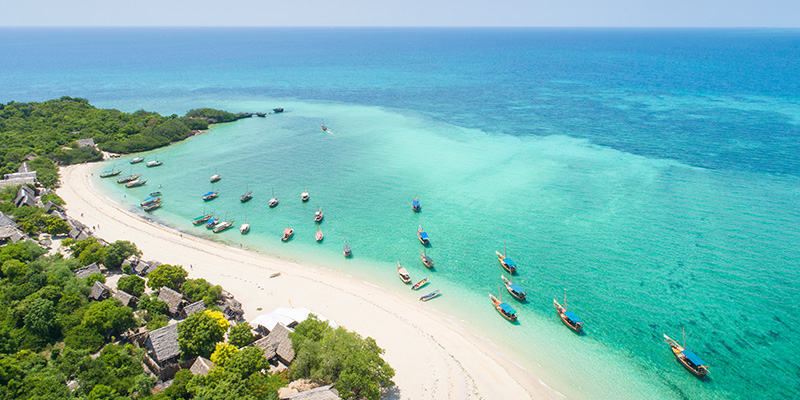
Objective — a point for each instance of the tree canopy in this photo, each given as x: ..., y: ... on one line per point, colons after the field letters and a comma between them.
x: 199, y: 334
x: 171, y: 276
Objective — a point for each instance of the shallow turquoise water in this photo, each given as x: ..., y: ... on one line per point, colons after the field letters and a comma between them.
x: 652, y: 173
x: 644, y: 246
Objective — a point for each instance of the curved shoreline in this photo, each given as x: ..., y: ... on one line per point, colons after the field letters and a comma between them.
x: 433, y: 357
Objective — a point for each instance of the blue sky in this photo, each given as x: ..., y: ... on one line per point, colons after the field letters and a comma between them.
x: 602, y: 13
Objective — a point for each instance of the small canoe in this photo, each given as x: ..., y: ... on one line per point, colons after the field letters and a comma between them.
x: 110, y: 173
x: 154, y: 163
x: 246, y: 197
x: 319, y: 235
x: 277, y: 110
x: 137, y: 160
x: 215, y: 178
x: 304, y: 196
x: 127, y: 179
x: 152, y: 206
x: 318, y: 215
x: 287, y: 233
x: 245, y: 228
x: 430, y: 295
x: 420, y: 284
x: 135, y: 183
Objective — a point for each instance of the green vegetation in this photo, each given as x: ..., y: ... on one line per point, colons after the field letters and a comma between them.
x: 52, y: 197
x: 171, y: 276
x: 354, y: 365
x: 241, y: 335
x: 50, y: 129
x: 200, y: 289
x: 199, y: 334
x: 237, y: 375
x: 132, y: 285
x: 48, y: 328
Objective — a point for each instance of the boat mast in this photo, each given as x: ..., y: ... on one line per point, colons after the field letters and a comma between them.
x: 504, y: 249
x: 565, y: 299
x: 684, y: 336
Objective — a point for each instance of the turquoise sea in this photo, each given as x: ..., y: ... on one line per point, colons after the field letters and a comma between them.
x: 653, y: 174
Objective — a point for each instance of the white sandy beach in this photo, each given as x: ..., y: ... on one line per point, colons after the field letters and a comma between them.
x: 433, y: 357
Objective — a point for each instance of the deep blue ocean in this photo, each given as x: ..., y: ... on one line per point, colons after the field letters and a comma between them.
x: 654, y: 173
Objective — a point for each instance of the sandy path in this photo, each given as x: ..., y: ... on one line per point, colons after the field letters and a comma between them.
x: 433, y: 357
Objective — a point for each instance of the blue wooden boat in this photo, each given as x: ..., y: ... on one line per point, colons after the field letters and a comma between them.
x: 568, y: 317
x: 506, y: 262
x: 111, y: 172
x: 687, y: 358
x: 423, y: 237
x: 150, y: 200
x: 515, y: 290
x: 211, y: 195
x: 503, y: 308
x: 415, y: 204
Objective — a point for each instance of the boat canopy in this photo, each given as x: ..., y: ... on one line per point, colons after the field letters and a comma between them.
x: 287, y: 231
x: 148, y: 199
x: 509, y: 262
x: 572, y: 317
x: 424, y: 236
x: 507, y: 309
x: 415, y: 203
x: 208, y: 194
x: 516, y: 288
x: 693, y: 358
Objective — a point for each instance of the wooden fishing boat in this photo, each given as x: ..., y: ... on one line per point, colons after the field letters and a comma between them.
x: 277, y: 110
x: 261, y: 115
x: 423, y: 237
x: 212, y: 223
x: 415, y: 204
x: 129, y: 178
x: 287, y: 233
x: 135, y: 183
x: 319, y: 235
x: 152, y: 206
x: 687, y: 358
x: 430, y: 295
x: 503, y: 308
x: 223, y: 226
x: 215, y: 178
x: 244, y: 228
x: 110, y: 173
x: 506, y: 262
x: 515, y: 290
x: 419, y: 284
x: 246, y: 197
x: 154, y: 163
x: 149, y: 200
x: 346, y: 249
x: 202, y: 219
x: 273, y: 201
x: 568, y: 317
x: 137, y: 160
x: 318, y: 215
x: 404, y: 276
x: 427, y: 261
x: 324, y: 128
x: 304, y: 196
x: 155, y: 194
x: 211, y: 195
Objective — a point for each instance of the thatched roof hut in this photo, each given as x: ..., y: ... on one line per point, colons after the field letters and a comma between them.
x: 85, y: 272
x: 277, y: 344
x: 173, y: 299
x: 194, y: 307
x: 99, y: 291
x: 201, y: 366
x: 162, y: 345
x: 128, y: 300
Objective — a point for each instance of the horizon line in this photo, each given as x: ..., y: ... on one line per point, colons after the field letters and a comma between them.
x: 407, y: 26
